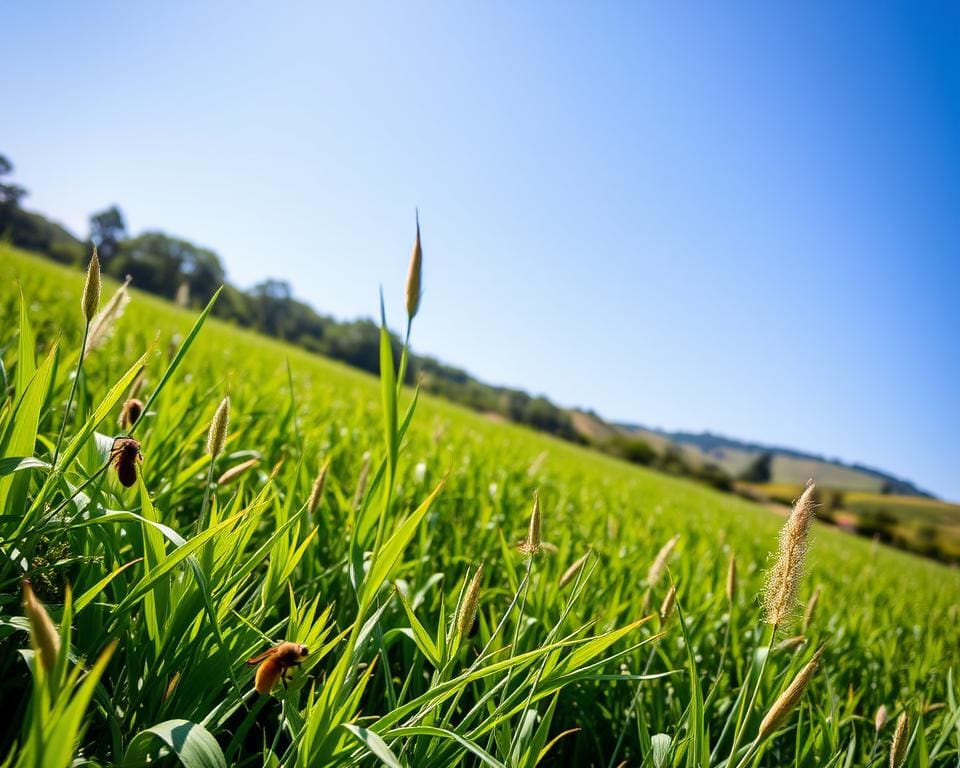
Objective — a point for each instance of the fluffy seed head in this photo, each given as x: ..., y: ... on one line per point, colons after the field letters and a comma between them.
x: 468, y: 608
x: 789, y: 698
x: 780, y: 591
x: 732, y: 577
x: 880, y: 719
x: 666, y: 607
x: 414, y: 275
x: 316, y: 492
x: 898, y: 747
x: 130, y: 413
x: 217, y: 435
x: 571, y: 573
x: 235, y: 471
x: 532, y: 544
x: 46, y: 639
x: 659, y: 564
x: 101, y: 326
x: 91, y: 288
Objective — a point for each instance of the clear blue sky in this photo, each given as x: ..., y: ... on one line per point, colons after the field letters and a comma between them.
x: 693, y: 216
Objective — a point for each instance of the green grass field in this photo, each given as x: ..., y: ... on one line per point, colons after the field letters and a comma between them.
x: 162, y: 591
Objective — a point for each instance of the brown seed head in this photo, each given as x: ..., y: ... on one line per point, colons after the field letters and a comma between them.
x: 571, y: 573
x: 101, y: 326
x: 666, y: 607
x: 235, y: 471
x: 659, y: 564
x: 217, y: 435
x: 414, y: 275
x: 780, y: 591
x: 789, y: 698
x: 130, y: 413
x: 898, y: 747
x: 468, y: 608
x: 91, y: 288
x: 880, y: 719
x: 534, y: 540
x: 43, y: 633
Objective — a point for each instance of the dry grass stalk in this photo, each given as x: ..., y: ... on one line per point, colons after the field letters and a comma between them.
x: 787, y: 700
x: 468, y: 608
x: 414, y: 275
x: 533, y: 542
x: 732, y: 577
x: 316, y: 492
x: 811, y: 607
x: 46, y: 639
x: 235, y: 471
x: 362, y: 481
x: 780, y: 592
x: 898, y: 747
x: 91, y: 288
x: 659, y: 564
x: 791, y: 643
x: 666, y: 607
x: 101, y: 326
x: 571, y: 573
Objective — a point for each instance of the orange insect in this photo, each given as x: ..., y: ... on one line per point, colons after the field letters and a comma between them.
x: 275, y: 663
x: 124, y: 456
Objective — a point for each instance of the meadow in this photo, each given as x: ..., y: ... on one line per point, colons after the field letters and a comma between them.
x: 395, y: 536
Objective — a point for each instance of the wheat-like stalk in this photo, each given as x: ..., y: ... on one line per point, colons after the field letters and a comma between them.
x: 898, y: 747
x: 880, y: 719
x: 415, y: 275
x: 91, y: 288
x: 787, y: 700
x: 659, y: 564
x: 732, y: 577
x: 531, y: 545
x: 101, y: 326
x: 780, y: 591
x: 571, y: 573
x: 666, y: 607
x: 217, y: 434
x: 468, y: 608
x: 811, y: 607
x: 44, y: 634
x: 235, y: 471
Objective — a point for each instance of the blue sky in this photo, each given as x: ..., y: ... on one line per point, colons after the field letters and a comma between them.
x: 742, y: 219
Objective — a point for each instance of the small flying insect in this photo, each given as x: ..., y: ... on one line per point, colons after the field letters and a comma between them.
x: 124, y: 456
x: 275, y: 664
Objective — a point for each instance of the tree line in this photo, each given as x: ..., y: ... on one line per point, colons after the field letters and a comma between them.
x: 182, y: 271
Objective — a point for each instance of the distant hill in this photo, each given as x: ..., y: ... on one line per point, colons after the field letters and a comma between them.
x: 788, y: 464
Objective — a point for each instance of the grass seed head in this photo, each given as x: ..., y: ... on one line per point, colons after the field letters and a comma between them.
x: 659, y: 564
x: 898, y: 747
x: 666, y: 607
x: 787, y: 700
x: 217, y: 435
x: 780, y: 591
x: 468, y: 608
x: 91, y: 288
x: 880, y: 719
x: 101, y: 325
x: 46, y: 639
x: 235, y: 471
x: 414, y: 275
x: 316, y: 492
x: 571, y: 573
x: 130, y: 413
x: 533, y: 542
